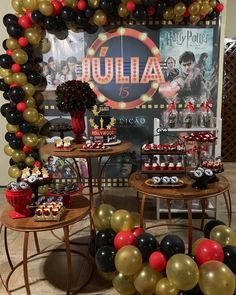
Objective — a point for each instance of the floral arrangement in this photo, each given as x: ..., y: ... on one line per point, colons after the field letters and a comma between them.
x: 75, y: 96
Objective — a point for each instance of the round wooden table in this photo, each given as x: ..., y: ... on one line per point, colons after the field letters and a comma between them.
x: 80, y: 207
x: 186, y: 192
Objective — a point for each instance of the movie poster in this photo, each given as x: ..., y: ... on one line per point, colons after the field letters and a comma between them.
x: 136, y: 71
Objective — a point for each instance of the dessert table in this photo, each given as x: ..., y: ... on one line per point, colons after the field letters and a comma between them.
x: 186, y: 192
x: 77, y: 211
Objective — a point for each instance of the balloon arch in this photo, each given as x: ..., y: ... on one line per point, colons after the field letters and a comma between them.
x: 20, y: 72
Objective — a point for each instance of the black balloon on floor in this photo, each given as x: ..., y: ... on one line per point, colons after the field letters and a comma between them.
x: 230, y: 257
x: 171, y: 245
x: 105, y: 259
x: 147, y: 244
x: 105, y: 238
x: 210, y: 225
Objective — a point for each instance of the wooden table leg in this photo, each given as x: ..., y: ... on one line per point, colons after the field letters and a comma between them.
x: 228, y: 204
x: 25, y: 267
x: 90, y: 185
x: 190, y: 225
x: 36, y: 241
x: 6, y: 248
x: 68, y: 256
x: 203, y: 205
x: 142, y: 210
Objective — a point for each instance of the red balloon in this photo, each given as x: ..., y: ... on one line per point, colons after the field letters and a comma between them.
x: 19, y: 134
x: 57, y: 6
x: 208, y: 250
x: 22, y: 41
x: 138, y: 231
x: 219, y: 7
x: 37, y: 164
x: 13, y: 85
x: 9, y: 52
x: 157, y: 261
x: 82, y: 5
x: 124, y: 238
x: 24, y: 22
x: 130, y: 6
x: 16, y: 68
x: 27, y: 149
x: 151, y: 10
x: 21, y: 106
x: 28, y: 14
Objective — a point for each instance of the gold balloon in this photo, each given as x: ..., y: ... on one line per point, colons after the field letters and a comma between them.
x: 18, y: 156
x: 71, y: 3
x: 213, y: 3
x: 135, y: 219
x: 122, y: 10
x: 45, y: 45
x: 182, y: 271
x: 109, y: 276
x: 205, y: 8
x: 20, y: 56
x: 178, y: 19
x: 179, y: 9
x: 29, y: 89
x: 30, y: 139
x: 18, y: 6
x: 121, y: 220
x: 29, y: 161
x: 41, y: 141
x: 8, y: 79
x: 8, y: 150
x: 194, y: 9
x: 102, y: 216
x: 99, y: 17
x: 164, y: 287
x: 93, y: 3
x: 30, y: 102
x: 12, y: 43
x: 20, y: 79
x: 46, y: 8
x: 30, y: 4
x: 146, y: 280
x: 4, y: 72
x: 195, y: 244
x: 33, y: 36
x: 123, y: 285
x: 30, y: 115
x: 223, y: 234
x: 40, y: 122
x: 43, y: 189
x: 169, y: 13
x: 12, y: 128
x: 14, y: 172
x: 128, y: 260
x: 194, y: 19
x: 216, y: 279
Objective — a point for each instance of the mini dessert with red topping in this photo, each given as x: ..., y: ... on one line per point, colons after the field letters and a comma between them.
x: 179, y: 166
x: 176, y: 146
x: 147, y: 165
x: 163, y: 166
x: 146, y: 147
x: 155, y: 166
x: 171, y: 166
x: 59, y: 143
x: 52, y: 211
x: 93, y: 146
x: 201, y: 137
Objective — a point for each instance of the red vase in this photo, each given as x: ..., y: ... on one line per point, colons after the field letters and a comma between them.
x: 19, y: 201
x: 78, y: 125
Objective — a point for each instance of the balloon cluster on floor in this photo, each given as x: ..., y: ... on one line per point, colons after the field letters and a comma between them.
x: 135, y: 261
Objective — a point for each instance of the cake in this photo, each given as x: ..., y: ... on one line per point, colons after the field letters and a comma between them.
x: 102, y: 125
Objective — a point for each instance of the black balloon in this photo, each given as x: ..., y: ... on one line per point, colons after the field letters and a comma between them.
x: 29, y: 50
x: 26, y: 68
x: 37, y: 16
x: 35, y: 155
x: 6, y: 94
x: 171, y: 2
x: 50, y: 23
x: 171, y: 245
x: 6, y: 61
x: 5, y: 108
x: 81, y: 19
x: 104, y: 259
x: 3, y: 85
x: 195, y: 291
x: 107, y: 5
x: 147, y: 244
x: 15, y: 30
x: 187, y: 2
x: 9, y: 136
x: 91, y: 29
x: 12, y: 162
x: 92, y: 246
x: 89, y: 12
x: 10, y: 19
x: 213, y: 15
x: 16, y: 143
x: 34, y: 78
x: 21, y: 165
x: 160, y: 8
x: 67, y: 14
x: 230, y: 257
x: 148, y: 2
x: 61, y: 25
x: 105, y: 238
x: 140, y: 13
x: 26, y: 127
x: 209, y: 226
x: 4, y: 44
x: 16, y: 94
x: 14, y: 117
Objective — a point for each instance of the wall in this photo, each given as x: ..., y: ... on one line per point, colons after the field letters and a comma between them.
x: 6, y: 8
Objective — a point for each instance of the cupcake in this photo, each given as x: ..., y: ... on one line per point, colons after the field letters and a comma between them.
x: 147, y: 166
x: 155, y: 166
x: 171, y: 166
x: 163, y: 166
x: 179, y: 166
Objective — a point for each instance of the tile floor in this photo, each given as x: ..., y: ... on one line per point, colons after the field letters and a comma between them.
x: 47, y: 274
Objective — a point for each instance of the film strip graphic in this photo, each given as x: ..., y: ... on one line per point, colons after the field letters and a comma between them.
x: 160, y: 22
x: 109, y: 182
